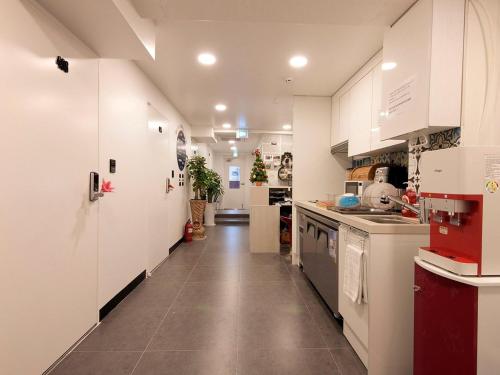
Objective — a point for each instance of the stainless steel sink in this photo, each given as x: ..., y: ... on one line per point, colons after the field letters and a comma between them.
x: 388, y: 219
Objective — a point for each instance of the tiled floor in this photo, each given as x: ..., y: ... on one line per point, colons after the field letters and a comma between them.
x: 213, y: 309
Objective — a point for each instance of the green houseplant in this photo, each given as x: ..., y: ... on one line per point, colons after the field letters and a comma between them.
x: 258, y: 174
x: 214, y: 186
x: 197, y: 172
x: 214, y: 189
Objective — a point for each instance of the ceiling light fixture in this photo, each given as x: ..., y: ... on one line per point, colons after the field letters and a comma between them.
x: 234, y: 148
x: 389, y: 65
x: 287, y: 126
x: 220, y: 107
x: 235, y: 154
x: 207, y: 58
x: 227, y: 125
x: 231, y: 141
x: 298, y: 61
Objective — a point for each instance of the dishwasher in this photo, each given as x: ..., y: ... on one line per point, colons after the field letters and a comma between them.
x: 318, y: 248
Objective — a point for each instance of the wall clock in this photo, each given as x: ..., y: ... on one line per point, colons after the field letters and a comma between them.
x: 181, y: 149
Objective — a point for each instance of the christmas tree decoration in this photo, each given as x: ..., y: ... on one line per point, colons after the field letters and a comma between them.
x: 258, y: 174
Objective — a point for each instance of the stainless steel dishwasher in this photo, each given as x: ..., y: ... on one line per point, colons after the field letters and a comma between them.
x: 319, y: 256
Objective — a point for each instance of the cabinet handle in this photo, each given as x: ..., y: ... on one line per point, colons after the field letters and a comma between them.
x: 416, y: 288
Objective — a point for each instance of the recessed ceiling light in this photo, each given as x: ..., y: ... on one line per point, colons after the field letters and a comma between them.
x: 287, y: 126
x: 220, y: 107
x: 234, y: 148
x: 235, y: 154
x: 227, y: 125
x: 298, y: 61
x: 389, y: 65
x: 231, y: 141
x: 207, y: 58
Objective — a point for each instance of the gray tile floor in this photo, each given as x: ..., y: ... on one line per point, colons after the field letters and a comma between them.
x: 213, y: 308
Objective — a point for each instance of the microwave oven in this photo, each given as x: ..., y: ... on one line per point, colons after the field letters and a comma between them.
x: 356, y: 187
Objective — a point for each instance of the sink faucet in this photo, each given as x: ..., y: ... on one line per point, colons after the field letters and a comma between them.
x: 385, y: 199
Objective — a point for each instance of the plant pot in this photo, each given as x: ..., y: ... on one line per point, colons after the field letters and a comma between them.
x: 258, y: 183
x: 197, y: 211
x: 210, y: 214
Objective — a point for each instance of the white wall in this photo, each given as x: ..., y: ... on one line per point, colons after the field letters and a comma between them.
x: 206, y: 151
x: 124, y: 135
x: 220, y: 165
x: 48, y: 227
x: 481, y: 87
x: 315, y: 171
x: 54, y: 129
x: 278, y: 144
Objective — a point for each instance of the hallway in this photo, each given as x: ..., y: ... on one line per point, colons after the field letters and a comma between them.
x: 213, y: 308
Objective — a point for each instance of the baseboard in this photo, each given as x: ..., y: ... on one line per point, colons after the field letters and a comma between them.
x: 175, y: 245
x: 107, y: 308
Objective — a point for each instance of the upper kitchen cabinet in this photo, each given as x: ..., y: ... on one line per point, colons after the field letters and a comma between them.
x: 422, y: 70
x: 340, y: 118
x: 356, y: 110
x: 376, y: 144
x: 361, y: 116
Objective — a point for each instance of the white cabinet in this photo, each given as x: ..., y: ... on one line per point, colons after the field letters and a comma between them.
x: 340, y: 118
x: 355, y: 315
x: 356, y: 110
x: 422, y: 76
x: 361, y: 116
x: 381, y: 332
x: 335, y: 129
x: 375, y: 142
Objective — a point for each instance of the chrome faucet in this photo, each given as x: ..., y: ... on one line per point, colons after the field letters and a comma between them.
x: 421, y: 211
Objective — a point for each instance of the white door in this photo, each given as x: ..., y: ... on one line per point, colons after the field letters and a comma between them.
x: 235, y: 177
x: 159, y: 173
x: 48, y: 226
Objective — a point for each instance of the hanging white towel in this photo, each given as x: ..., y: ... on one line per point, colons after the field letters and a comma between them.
x: 364, y: 277
x: 353, y: 273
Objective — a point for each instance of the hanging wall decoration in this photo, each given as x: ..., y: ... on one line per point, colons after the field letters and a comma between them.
x: 181, y: 149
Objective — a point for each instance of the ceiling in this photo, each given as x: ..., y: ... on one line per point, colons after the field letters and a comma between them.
x: 252, y: 39
x: 244, y: 146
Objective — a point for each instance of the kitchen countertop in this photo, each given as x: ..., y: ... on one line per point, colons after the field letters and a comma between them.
x: 365, y: 225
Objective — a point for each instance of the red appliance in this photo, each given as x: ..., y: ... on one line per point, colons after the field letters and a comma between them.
x: 457, y: 278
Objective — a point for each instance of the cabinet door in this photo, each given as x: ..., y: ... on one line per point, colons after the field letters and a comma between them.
x: 344, y: 117
x: 309, y: 255
x: 328, y: 278
x: 336, y: 133
x: 361, y: 116
x: 445, y: 338
x: 376, y: 143
x: 356, y: 315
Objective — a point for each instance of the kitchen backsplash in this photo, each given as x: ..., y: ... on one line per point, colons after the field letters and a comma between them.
x: 417, y: 146
x: 411, y: 158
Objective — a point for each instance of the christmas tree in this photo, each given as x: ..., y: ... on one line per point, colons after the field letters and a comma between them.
x: 258, y: 173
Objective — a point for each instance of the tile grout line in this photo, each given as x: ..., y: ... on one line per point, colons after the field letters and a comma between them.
x: 314, y: 321
x: 168, y: 310
x: 238, y: 303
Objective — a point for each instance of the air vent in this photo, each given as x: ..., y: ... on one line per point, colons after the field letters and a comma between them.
x: 340, y: 148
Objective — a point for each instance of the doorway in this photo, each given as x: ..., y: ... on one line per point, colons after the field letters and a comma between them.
x: 235, y: 173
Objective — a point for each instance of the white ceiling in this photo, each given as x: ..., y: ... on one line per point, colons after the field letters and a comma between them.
x: 253, y: 41
x: 244, y: 146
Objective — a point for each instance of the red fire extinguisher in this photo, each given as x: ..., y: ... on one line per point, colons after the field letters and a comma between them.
x: 188, y: 231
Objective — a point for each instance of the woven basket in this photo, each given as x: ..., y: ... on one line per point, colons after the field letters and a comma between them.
x: 197, y: 212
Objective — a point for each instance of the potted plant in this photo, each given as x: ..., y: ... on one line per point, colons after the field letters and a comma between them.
x: 258, y: 174
x: 214, y: 190
x: 197, y: 172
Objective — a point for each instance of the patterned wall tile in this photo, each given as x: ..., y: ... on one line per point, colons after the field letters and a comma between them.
x: 411, y: 159
x: 417, y: 146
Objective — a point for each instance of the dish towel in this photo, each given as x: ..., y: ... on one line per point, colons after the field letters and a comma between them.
x: 354, y: 270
